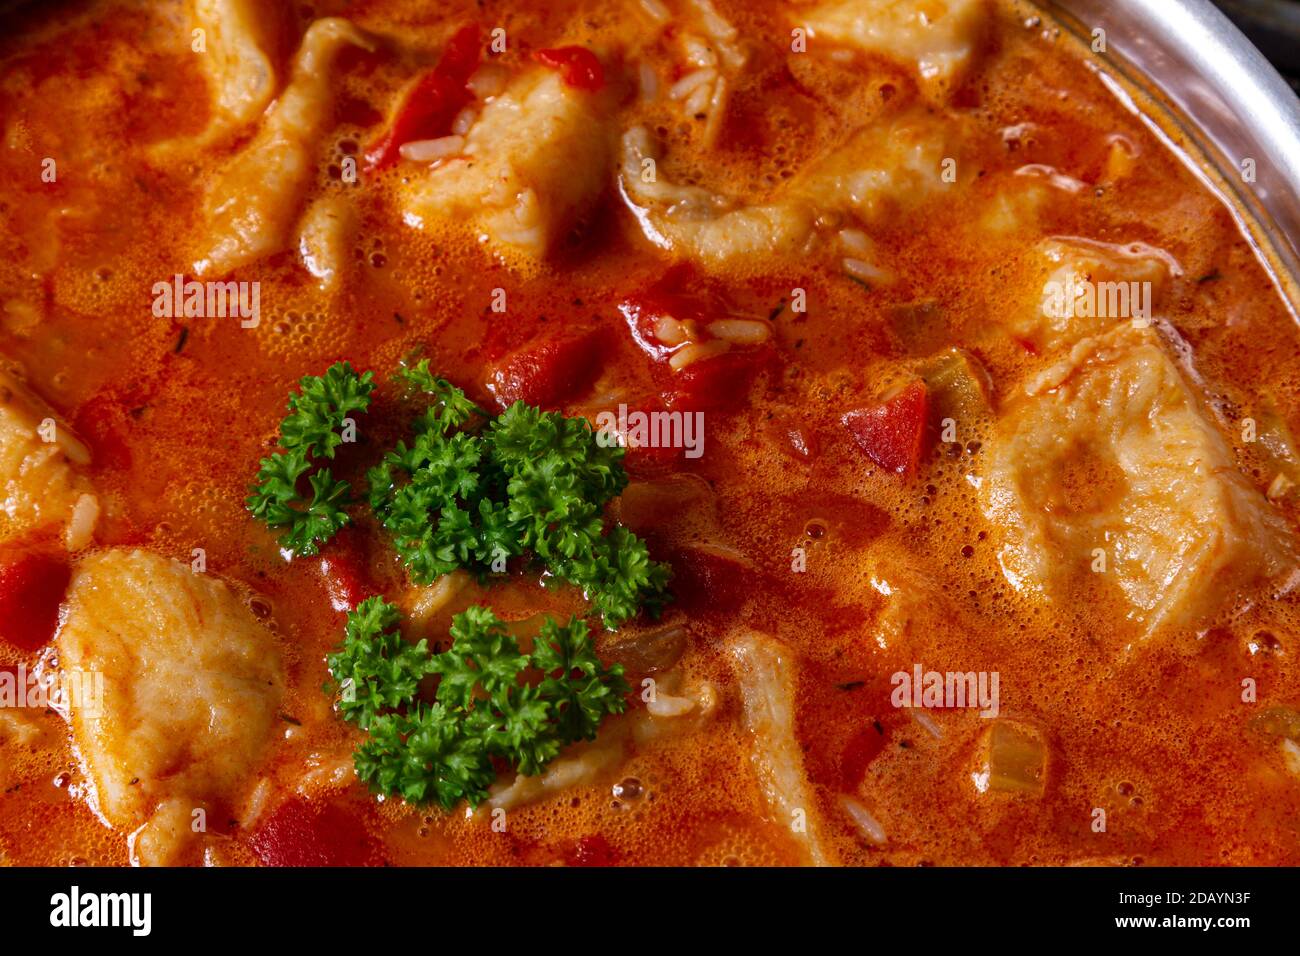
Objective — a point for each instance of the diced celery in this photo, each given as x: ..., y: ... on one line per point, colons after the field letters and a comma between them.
x: 1015, y: 757
x: 959, y: 384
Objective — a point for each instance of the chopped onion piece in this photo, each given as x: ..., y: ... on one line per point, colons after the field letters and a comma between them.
x: 1279, y: 487
x: 652, y: 651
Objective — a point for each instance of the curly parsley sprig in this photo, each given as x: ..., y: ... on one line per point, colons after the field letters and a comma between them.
x: 484, y: 709
x: 450, y: 407
x: 459, y: 496
x: 312, y: 430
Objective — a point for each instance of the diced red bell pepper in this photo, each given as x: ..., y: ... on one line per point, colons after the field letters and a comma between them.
x: 342, y: 565
x: 719, y: 383
x: 550, y: 372
x: 708, y: 581
x: 432, y: 102
x: 591, y: 851
x: 677, y: 294
x: 716, y: 384
x: 312, y: 833
x: 893, y: 433
x: 862, y: 748
x: 32, y: 585
x: 578, y: 67
x: 102, y: 422
x: 648, y: 459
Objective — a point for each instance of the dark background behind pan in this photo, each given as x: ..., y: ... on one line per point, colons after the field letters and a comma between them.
x: 1274, y: 27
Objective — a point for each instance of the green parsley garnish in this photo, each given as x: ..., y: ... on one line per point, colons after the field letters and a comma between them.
x: 450, y: 408
x: 468, y: 491
x: 312, y: 430
x: 467, y: 495
x: 484, y: 708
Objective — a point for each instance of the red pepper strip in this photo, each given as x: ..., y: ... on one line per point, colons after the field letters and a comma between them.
x: 428, y: 108
x: 578, y: 66
x: 343, y: 566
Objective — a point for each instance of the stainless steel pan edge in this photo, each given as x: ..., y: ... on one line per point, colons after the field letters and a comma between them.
x: 1234, y: 106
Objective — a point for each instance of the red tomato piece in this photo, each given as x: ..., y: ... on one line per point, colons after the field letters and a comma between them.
x: 578, y: 66
x: 312, y: 833
x: 679, y: 295
x: 432, y: 102
x: 550, y: 372
x: 102, y: 422
x: 591, y: 851
x: 715, y: 384
x: 342, y: 565
x: 708, y: 580
x: 861, y: 749
x: 1027, y: 345
x: 356, y: 112
x: 32, y: 586
x: 893, y: 433
x: 649, y: 458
